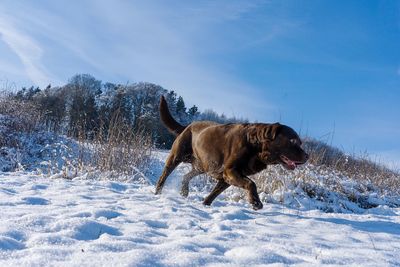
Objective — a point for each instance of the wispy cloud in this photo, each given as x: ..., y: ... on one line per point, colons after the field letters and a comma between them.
x: 154, y: 41
x: 137, y: 41
x: 26, y: 48
x: 157, y: 42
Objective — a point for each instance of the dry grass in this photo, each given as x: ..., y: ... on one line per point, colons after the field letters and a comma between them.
x: 359, y: 168
x: 121, y: 149
x: 333, y: 178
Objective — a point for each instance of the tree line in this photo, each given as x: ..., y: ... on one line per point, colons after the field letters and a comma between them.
x: 86, y: 107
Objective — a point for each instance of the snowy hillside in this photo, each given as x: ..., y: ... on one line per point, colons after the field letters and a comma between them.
x: 89, y: 222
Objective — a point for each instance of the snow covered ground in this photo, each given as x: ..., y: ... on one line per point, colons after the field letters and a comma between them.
x: 87, y: 222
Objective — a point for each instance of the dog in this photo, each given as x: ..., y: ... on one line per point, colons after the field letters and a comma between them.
x: 229, y: 152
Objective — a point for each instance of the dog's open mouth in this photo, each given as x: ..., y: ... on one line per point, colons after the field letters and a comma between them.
x: 288, y: 163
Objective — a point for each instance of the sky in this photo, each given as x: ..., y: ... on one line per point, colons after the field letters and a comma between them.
x: 328, y: 69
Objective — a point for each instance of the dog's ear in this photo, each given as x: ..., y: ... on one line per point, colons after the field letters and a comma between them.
x: 272, y: 131
x: 252, y: 136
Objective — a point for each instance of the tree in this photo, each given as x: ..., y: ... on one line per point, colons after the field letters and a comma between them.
x: 27, y: 94
x: 180, y: 106
x: 52, y: 103
x: 83, y: 111
x: 193, y: 113
x: 86, y: 83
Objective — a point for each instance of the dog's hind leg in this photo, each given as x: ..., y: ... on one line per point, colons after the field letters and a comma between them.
x: 170, y: 165
x: 218, y: 189
x: 186, y: 179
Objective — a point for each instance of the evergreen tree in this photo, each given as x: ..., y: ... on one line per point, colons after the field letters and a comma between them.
x: 180, y: 106
x: 193, y: 113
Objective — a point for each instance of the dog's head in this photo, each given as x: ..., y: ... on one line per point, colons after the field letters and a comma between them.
x: 279, y: 144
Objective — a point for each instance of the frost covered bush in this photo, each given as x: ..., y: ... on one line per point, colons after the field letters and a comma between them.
x: 41, y: 152
x: 24, y: 145
x: 18, y: 120
x: 16, y: 117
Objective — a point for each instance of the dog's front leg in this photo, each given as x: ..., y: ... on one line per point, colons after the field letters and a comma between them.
x: 233, y: 177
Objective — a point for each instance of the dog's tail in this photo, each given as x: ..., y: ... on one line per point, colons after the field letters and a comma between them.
x: 172, y: 125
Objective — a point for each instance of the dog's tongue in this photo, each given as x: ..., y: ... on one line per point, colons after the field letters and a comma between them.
x: 291, y: 165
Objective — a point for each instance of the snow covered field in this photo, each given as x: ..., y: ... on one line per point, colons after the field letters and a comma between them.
x: 98, y: 223
x: 81, y: 222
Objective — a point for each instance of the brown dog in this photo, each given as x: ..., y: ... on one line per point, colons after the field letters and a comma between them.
x: 229, y: 152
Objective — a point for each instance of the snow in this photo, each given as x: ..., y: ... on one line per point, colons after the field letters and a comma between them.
x: 49, y: 221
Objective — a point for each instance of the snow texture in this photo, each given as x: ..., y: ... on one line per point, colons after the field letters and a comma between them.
x: 88, y: 222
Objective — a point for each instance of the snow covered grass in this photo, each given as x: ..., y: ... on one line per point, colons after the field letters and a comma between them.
x: 360, y: 168
x: 83, y: 222
x: 321, y: 187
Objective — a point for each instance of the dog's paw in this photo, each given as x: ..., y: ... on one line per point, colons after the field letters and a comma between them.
x: 184, y: 192
x: 206, y: 202
x: 257, y: 205
x: 158, y: 191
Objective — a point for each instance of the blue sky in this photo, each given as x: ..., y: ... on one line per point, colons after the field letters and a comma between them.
x: 330, y: 69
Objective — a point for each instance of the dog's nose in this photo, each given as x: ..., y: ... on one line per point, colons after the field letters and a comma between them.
x: 306, y: 156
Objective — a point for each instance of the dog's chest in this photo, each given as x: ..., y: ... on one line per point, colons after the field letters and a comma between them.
x: 254, y: 165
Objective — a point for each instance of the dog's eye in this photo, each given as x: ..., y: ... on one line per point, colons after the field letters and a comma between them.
x: 294, y: 141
